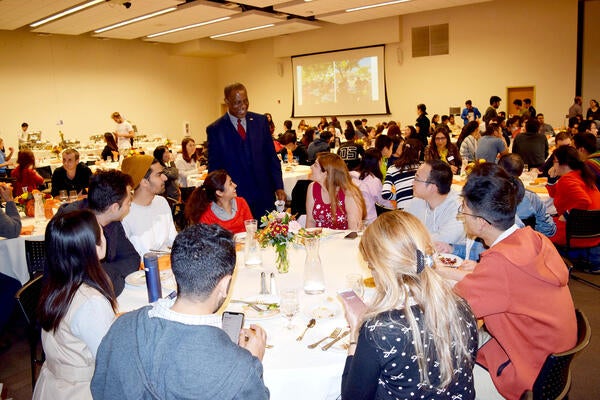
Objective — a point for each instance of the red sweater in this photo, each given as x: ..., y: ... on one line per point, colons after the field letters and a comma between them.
x: 569, y: 192
x: 520, y: 290
x: 236, y: 224
x: 27, y: 177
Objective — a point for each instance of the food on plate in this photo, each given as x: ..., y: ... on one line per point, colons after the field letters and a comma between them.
x: 449, y: 261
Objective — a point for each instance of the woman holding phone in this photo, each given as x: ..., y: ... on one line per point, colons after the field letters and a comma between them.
x: 385, y: 359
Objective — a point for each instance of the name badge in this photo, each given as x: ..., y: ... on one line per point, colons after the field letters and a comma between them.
x: 450, y: 158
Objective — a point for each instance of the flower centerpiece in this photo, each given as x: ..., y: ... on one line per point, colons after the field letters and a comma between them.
x: 26, y: 202
x: 278, y: 230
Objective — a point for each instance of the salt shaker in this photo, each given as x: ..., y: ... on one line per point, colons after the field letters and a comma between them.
x: 263, y: 283
x: 273, y: 285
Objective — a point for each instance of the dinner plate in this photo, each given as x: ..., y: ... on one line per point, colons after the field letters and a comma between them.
x: 138, y: 279
x: 448, y: 260
x: 322, y: 308
x: 250, y: 313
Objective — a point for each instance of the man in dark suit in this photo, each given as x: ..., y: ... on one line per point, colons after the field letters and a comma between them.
x: 240, y: 143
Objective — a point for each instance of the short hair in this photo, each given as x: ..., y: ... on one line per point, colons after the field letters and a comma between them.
x: 107, y: 188
x: 326, y: 135
x: 349, y: 134
x: 495, y: 99
x: 71, y: 150
x: 445, y: 118
x: 491, y: 194
x: 440, y: 175
x: 512, y: 163
x: 288, y: 124
x: 518, y: 102
x: 288, y: 137
x: 532, y: 125
x: 115, y: 115
x: 468, y: 103
x: 357, y: 123
x: 229, y: 89
x: 382, y: 142
x: 527, y: 101
x: 539, y: 115
x: 573, y: 121
x: 587, y: 141
x: 422, y: 107
x: 201, y: 256
x: 563, y: 135
x: 24, y: 125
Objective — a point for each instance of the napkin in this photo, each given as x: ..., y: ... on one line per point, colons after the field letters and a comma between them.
x: 27, y: 230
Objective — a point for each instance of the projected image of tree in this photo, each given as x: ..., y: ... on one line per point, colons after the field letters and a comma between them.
x: 350, y: 80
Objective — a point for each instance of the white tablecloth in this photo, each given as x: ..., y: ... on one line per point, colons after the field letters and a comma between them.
x: 291, y: 177
x: 12, y: 253
x: 291, y: 370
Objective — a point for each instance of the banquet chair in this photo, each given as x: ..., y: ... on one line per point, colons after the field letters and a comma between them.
x: 28, y: 297
x: 554, y: 379
x: 46, y: 173
x: 582, y: 224
x: 35, y: 256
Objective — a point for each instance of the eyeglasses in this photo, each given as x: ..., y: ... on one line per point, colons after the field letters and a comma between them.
x: 461, y: 212
x: 421, y: 180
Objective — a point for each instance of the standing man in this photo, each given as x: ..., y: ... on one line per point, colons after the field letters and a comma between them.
x: 240, y: 143
x: 422, y: 125
x: 529, y: 107
x: 576, y: 108
x: 470, y: 113
x: 22, y: 136
x: 491, y: 110
x: 123, y: 132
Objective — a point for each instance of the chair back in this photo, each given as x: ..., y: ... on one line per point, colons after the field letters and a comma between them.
x: 35, y: 255
x: 554, y: 379
x: 582, y: 224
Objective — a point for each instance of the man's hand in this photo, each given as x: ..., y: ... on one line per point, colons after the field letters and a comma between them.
x: 254, y: 340
x: 280, y: 193
x: 6, y: 192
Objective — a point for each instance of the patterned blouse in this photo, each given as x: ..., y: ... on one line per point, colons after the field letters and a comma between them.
x: 385, y: 365
x: 322, y: 211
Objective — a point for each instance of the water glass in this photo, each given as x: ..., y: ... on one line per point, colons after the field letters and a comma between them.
x: 280, y: 205
x: 355, y: 282
x: 63, y: 196
x: 72, y: 195
x: 289, y: 305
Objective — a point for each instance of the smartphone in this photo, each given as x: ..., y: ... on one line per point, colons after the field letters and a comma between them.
x: 232, y: 323
x: 352, y: 302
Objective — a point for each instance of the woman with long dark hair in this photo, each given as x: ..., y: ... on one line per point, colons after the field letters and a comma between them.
x: 165, y: 158
x: 367, y: 176
x: 575, y: 188
x: 441, y: 148
x: 111, y: 150
x: 417, y: 338
x: 187, y: 161
x: 467, y: 142
x: 398, y: 183
x: 217, y: 202
x: 77, y: 305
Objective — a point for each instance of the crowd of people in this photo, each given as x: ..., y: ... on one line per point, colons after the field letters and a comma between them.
x: 394, y: 183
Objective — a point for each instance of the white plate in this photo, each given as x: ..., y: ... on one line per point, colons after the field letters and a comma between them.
x: 448, y: 260
x: 250, y: 313
x: 138, y: 279
x: 322, y: 308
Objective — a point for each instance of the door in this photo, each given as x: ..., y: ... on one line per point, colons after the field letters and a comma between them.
x: 521, y: 92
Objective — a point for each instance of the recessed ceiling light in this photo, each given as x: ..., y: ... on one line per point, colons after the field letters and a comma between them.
x: 183, y: 28
x: 242, y: 31
x: 137, y: 19
x: 387, y: 3
x: 66, y: 12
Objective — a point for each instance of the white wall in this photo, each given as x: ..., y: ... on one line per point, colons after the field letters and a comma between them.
x: 44, y: 79
x: 492, y: 46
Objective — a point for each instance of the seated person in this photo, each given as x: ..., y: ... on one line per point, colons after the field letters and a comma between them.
x: 291, y: 145
x: 73, y: 175
x: 441, y: 148
x: 187, y: 162
x: 320, y: 144
x: 77, y: 306
x: 27, y: 178
x: 351, y: 152
x: 519, y: 288
x: 109, y: 198
x: 531, y: 145
x: 164, y: 157
x: 367, y: 177
x: 398, y: 184
x: 332, y: 200
x: 111, y: 150
x: 217, y: 202
x: 5, y: 159
x: 586, y: 145
x: 563, y: 138
x: 202, y: 361
x: 10, y: 221
x: 435, y: 205
x: 530, y: 204
x: 385, y: 358
x: 149, y: 224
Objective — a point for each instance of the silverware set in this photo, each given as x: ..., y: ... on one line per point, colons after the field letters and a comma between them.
x: 335, y: 335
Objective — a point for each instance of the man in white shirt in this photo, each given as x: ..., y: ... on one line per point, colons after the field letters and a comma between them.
x: 435, y: 204
x: 149, y: 224
x: 23, y: 133
x: 123, y: 132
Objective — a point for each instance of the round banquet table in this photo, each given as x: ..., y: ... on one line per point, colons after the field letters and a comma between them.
x: 291, y: 370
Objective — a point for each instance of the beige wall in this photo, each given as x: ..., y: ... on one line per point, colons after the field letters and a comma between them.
x: 82, y: 81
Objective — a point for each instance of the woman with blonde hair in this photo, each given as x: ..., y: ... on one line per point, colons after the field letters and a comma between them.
x: 386, y: 360
x: 331, y: 180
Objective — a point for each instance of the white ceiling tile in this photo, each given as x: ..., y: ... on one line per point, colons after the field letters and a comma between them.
x: 17, y: 13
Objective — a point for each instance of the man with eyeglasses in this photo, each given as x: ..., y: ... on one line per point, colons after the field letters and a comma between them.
x: 519, y: 288
x: 435, y: 204
x: 149, y: 224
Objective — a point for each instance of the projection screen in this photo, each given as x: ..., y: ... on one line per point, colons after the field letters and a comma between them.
x: 346, y: 82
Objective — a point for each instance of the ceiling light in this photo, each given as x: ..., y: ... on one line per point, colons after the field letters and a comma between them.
x: 138, y: 19
x: 387, y: 3
x: 242, y: 31
x: 66, y: 12
x: 183, y: 28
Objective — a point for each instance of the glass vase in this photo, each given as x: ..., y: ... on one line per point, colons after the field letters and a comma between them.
x: 282, y: 262
x: 314, y: 281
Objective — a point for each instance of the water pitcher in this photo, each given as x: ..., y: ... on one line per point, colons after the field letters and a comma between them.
x: 314, y: 283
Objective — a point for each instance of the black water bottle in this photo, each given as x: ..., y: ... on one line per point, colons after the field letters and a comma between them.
x: 152, y: 277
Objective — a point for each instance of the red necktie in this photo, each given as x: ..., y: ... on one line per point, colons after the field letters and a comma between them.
x: 241, y: 129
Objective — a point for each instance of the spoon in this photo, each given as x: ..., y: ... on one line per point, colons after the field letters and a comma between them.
x: 310, y: 324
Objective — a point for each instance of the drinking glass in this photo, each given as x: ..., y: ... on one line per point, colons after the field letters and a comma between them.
x: 355, y: 282
x: 289, y: 305
x: 72, y: 195
x: 280, y: 205
x: 63, y: 196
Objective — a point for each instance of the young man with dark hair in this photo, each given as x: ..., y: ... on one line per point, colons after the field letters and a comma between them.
x: 529, y: 107
x: 470, y: 113
x: 73, y: 175
x: 531, y: 145
x: 289, y: 141
x: 491, y: 110
x: 519, y: 288
x: 320, y: 144
x: 351, y: 152
x: 176, y: 349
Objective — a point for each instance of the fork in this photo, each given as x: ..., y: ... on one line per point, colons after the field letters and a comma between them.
x: 333, y: 335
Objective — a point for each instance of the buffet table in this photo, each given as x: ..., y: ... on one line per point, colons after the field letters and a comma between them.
x: 291, y: 370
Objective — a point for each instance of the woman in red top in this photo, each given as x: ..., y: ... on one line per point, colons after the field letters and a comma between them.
x: 25, y: 173
x: 576, y: 188
x: 331, y: 180
x: 216, y: 202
